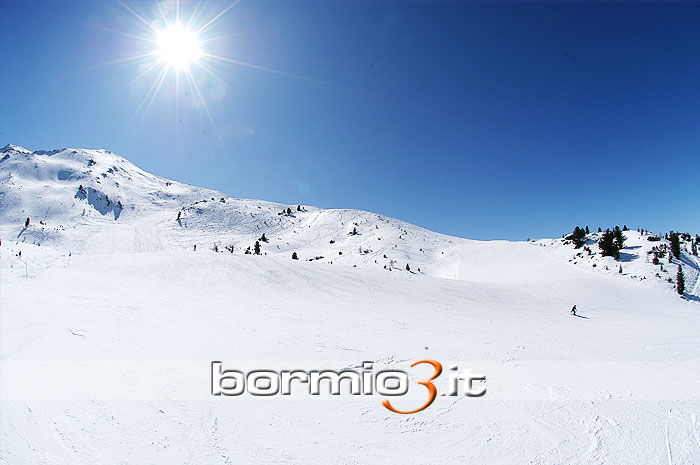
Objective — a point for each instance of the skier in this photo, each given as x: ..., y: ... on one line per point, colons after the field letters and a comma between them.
x: 573, y: 310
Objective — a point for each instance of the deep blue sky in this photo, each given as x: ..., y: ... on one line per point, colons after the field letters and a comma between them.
x: 483, y: 120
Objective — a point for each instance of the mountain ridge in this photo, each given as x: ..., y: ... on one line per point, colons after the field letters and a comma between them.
x: 96, y: 201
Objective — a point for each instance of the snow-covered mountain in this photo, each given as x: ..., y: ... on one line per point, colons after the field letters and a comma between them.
x: 109, y: 321
x: 94, y: 201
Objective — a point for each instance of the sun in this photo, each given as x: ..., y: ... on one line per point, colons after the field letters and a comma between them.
x: 178, y: 46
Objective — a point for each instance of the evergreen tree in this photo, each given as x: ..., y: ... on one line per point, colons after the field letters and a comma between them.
x: 578, y: 237
x: 675, y: 245
x: 26, y: 223
x: 619, y: 239
x: 289, y: 211
x: 408, y: 268
x: 620, y: 269
x: 599, y: 230
x: 608, y: 244
x: 295, y: 256
x: 680, y: 281
x: 263, y: 238
x: 588, y: 231
x: 257, y: 247
x: 298, y: 208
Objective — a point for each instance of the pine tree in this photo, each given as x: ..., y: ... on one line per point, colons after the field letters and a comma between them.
x: 620, y: 269
x: 588, y: 231
x: 578, y: 237
x: 298, y: 208
x: 26, y: 223
x: 295, y: 256
x: 680, y: 281
x: 599, y: 230
x: 608, y: 244
x: 408, y: 268
x: 257, y: 247
x: 619, y: 239
x: 675, y: 245
x: 289, y: 211
x: 263, y: 238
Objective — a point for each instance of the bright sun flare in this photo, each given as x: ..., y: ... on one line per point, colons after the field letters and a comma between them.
x: 178, y: 46
x: 172, y: 44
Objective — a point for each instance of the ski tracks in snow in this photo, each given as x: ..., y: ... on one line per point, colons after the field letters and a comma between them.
x: 668, y: 444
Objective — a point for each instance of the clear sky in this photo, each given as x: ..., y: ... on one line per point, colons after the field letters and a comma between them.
x: 482, y: 120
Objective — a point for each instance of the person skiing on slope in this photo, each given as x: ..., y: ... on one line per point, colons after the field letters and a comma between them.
x: 573, y: 310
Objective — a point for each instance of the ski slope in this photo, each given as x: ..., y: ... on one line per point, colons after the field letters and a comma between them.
x: 109, y: 323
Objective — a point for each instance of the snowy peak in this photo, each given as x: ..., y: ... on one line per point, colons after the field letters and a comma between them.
x: 14, y: 148
x: 66, y: 193
x: 89, y: 201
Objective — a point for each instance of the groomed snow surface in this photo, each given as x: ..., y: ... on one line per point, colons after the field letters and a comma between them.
x: 109, y: 321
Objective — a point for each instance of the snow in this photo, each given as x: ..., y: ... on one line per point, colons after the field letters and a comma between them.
x: 108, y: 327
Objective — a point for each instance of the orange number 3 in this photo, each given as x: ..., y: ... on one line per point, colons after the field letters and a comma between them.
x: 432, y: 391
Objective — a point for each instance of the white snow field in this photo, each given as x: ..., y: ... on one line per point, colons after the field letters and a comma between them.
x: 109, y: 322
